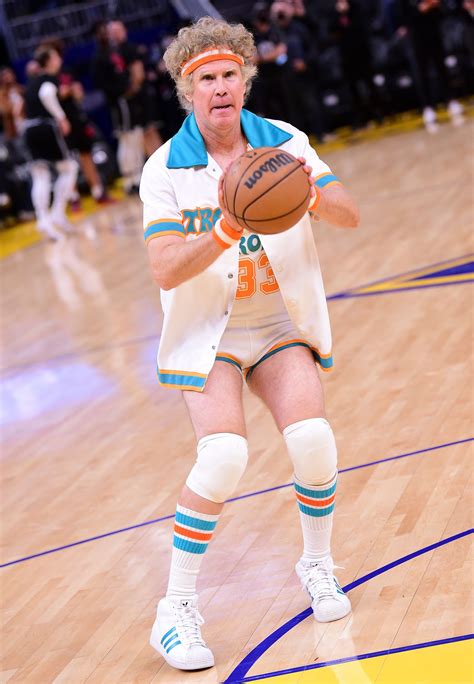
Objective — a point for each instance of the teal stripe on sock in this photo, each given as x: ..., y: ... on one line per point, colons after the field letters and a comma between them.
x: 316, y: 493
x: 316, y: 512
x: 197, y: 523
x: 189, y: 546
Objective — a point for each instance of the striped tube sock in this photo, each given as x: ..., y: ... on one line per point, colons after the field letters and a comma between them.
x: 316, y: 504
x: 192, y: 533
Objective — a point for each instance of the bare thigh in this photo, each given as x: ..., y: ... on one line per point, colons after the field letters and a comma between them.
x: 219, y: 407
x: 288, y: 383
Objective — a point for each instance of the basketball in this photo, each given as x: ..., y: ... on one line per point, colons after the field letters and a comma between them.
x: 266, y: 190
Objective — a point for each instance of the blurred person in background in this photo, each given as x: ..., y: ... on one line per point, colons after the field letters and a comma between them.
x: 272, y: 96
x: 171, y: 114
x: 82, y: 135
x: 45, y: 127
x: 302, y: 66
x: 120, y: 83
x: 12, y: 97
x: 349, y: 26
x: 142, y: 104
x: 421, y: 21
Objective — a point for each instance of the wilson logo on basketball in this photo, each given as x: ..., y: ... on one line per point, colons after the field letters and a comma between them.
x: 271, y: 165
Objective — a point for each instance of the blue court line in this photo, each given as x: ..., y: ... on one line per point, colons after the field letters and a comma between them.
x: 361, y: 656
x: 235, y: 498
x: 238, y: 674
x: 351, y: 292
x: 86, y: 541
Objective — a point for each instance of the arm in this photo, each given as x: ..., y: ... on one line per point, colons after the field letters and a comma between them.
x: 332, y: 201
x: 336, y: 206
x: 174, y: 260
x: 48, y: 94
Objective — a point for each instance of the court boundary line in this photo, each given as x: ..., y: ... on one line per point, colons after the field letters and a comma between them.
x: 361, y: 656
x: 238, y: 673
x: 236, y: 498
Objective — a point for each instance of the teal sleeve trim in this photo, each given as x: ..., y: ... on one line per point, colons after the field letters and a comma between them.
x: 326, y: 180
x: 164, y: 227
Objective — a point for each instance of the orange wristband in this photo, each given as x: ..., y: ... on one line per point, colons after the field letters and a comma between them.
x: 225, y: 235
x: 315, y: 200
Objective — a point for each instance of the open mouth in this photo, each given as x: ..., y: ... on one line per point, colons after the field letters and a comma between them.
x: 223, y: 107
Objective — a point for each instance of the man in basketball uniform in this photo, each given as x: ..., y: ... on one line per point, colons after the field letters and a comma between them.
x: 44, y: 130
x: 237, y: 305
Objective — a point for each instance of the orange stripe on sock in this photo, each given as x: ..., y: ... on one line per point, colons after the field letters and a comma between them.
x: 192, y: 534
x: 315, y: 503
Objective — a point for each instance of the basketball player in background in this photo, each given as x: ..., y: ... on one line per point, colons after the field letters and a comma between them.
x: 237, y: 305
x: 44, y: 129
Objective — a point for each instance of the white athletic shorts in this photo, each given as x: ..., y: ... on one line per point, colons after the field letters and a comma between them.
x: 245, y: 344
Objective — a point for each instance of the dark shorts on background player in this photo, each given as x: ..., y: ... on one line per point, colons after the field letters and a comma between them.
x: 44, y: 141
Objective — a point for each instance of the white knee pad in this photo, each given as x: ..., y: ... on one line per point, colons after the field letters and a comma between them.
x: 312, y: 448
x: 221, y: 461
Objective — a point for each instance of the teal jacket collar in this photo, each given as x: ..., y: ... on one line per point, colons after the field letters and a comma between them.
x: 187, y: 147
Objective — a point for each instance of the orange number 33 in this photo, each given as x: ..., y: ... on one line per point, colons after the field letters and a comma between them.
x: 248, y: 277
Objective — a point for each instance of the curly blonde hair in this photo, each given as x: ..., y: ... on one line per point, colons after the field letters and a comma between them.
x: 208, y: 33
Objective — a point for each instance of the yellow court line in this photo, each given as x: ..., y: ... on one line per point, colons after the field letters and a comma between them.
x: 442, y: 664
x: 403, y: 284
x: 25, y: 234
x: 14, y: 239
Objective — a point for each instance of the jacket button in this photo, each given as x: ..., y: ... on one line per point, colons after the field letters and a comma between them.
x: 230, y: 275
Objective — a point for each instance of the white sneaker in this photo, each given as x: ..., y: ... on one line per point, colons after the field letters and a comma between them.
x: 176, y: 634
x: 328, y: 601
x: 455, y: 110
x: 63, y: 223
x: 49, y: 230
x: 429, y: 119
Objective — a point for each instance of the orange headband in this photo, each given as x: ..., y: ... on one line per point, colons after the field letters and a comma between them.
x: 209, y: 56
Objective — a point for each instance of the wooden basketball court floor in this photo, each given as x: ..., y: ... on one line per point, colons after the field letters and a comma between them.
x: 94, y: 452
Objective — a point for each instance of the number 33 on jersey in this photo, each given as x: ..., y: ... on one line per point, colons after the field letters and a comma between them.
x: 255, y: 272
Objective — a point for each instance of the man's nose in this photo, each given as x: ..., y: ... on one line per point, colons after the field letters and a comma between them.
x: 221, y: 87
